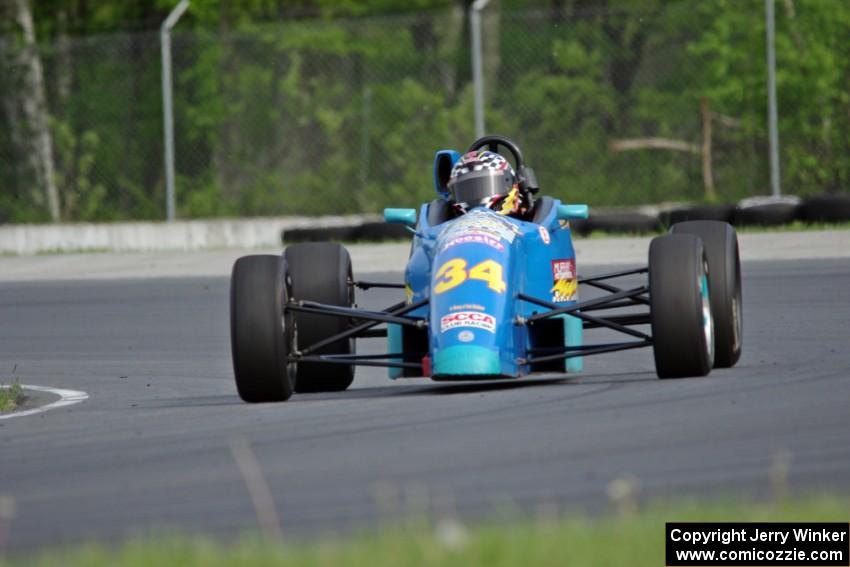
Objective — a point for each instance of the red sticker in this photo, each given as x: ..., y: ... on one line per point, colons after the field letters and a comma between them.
x: 474, y: 319
x: 563, y: 269
x: 544, y: 234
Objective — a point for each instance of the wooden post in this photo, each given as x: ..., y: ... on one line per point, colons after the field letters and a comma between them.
x: 653, y: 144
x: 707, y: 173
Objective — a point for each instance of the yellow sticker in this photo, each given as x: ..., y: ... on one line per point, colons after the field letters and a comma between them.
x: 564, y: 290
x: 453, y: 273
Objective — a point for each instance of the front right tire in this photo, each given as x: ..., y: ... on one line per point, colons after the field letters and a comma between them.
x: 724, y: 281
x: 682, y: 324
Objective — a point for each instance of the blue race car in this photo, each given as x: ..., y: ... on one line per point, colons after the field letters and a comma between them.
x: 489, y: 295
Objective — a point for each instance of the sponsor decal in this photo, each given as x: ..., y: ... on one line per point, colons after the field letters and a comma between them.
x: 565, y: 286
x: 453, y: 273
x: 467, y: 307
x: 473, y: 319
x: 563, y: 269
x: 466, y: 336
x: 481, y: 222
x: 408, y: 293
x: 544, y: 234
x: 475, y: 238
x: 564, y: 290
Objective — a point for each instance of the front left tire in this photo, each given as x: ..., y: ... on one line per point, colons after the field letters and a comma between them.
x: 259, y: 333
x: 321, y: 272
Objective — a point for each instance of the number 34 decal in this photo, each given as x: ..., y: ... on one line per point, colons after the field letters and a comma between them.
x: 454, y: 272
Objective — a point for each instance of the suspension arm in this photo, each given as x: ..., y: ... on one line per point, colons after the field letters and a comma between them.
x: 395, y: 310
x: 587, y: 351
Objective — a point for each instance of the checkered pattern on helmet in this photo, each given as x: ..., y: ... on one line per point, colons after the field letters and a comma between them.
x: 478, y: 161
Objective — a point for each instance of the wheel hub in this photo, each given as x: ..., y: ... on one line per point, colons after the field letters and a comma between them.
x: 707, y: 319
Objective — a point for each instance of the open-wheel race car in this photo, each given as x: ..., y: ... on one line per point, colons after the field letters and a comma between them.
x: 487, y: 296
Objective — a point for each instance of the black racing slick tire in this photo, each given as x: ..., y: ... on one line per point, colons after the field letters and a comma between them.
x: 321, y: 272
x: 724, y: 282
x: 258, y: 334
x: 682, y: 326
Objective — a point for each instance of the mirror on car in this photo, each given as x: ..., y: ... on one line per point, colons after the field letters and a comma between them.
x: 406, y: 217
x: 572, y: 212
x: 444, y: 160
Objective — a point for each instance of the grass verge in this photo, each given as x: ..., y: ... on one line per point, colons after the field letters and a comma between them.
x: 10, y: 397
x: 630, y: 538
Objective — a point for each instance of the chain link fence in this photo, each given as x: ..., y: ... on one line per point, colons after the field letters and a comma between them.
x: 611, y: 107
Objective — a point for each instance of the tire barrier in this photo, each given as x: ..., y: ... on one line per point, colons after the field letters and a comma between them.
x: 580, y: 227
x: 766, y: 211
x: 826, y: 208
x: 377, y: 231
x: 754, y: 211
x: 640, y: 220
x: 698, y: 212
x: 366, y: 232
x: 319, y: 234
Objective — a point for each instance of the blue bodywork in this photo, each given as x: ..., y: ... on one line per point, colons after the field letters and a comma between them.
x: 472, y: 269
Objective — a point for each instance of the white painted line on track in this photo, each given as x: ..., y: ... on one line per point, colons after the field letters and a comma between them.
x: 66, y: 398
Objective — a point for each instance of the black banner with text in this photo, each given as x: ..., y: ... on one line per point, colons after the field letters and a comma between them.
x: 801, y: 544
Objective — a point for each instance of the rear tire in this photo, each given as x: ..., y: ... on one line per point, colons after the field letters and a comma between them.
x: 258, y: 331
x: 321, y: 272
x: 682, y: 326
x: 724, y: 282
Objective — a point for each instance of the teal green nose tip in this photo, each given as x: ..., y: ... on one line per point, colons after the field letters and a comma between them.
x: 463, y: 360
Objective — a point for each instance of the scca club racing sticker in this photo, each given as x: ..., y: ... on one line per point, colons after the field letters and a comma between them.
x: 473, y: 319
x: 565, y: 286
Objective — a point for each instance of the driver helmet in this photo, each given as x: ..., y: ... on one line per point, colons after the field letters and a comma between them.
x: 485, y: 179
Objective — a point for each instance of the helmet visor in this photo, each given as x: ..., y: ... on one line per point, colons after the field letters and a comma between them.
x: 474, y: 187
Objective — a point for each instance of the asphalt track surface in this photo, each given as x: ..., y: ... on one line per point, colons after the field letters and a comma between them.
x: 150, y: 451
